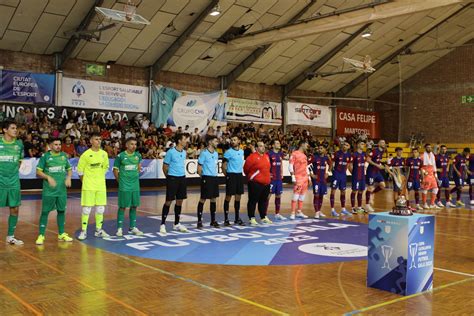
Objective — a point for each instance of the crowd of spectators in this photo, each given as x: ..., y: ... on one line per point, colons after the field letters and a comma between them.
x: 152, y: 141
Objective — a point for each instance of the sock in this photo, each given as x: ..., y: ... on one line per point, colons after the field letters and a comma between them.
x: 120, y: 217
x: 99, y: 219
x: 213, y: 211
x: 367, y: 197
x: 331, y: 199
x: 471, y: 194
x: 458, y: 197
x: 321, y: 202
x: 84, y: 221
x: 316, y: 203
x: 12, y: 220
x: 447, y: 195
x: 353, y: 199
x: 164, y: 213
x: 417, y: 197
x: 133, y: 217
x: 433, y: 198
x: 343, y: 199
x: 226, y: 210
x: 359, y: 199
x: 61, y: 219
x: 377, y: 189
x: 454, y: 190
x: 43, y: 222
x: 424, y: 197
x: 237, y: 210
x: 293, y: 206
x: 300, y: 205
x: 277, y: 205
x: 177, y: 213
x: 199, y: 211
x: 438, y: 196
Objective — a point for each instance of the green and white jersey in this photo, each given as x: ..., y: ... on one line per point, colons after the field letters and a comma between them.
x: 129, y: 174
x: 11, y: 155
x: 57, y: 167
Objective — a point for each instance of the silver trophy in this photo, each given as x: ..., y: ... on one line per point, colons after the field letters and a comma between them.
x: 413, y: 251
x: 387, y: 253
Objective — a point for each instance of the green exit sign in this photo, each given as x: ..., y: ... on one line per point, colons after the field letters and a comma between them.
x: 95, y: 70
x: 467, y: 99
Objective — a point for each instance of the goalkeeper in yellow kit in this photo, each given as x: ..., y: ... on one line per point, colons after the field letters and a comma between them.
x: 92, y: 167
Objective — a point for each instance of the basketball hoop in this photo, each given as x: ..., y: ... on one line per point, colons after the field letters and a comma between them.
x: 129, y: 10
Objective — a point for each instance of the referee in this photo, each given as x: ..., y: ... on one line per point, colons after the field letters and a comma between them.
x: 174, y: 170
x: 207, y: 169
x: 257, y: 170
x: 232, y: 168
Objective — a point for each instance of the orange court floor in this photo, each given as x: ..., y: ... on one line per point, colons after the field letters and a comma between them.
x: 74, y: 278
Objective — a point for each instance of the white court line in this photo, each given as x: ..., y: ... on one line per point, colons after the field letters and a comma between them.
x: 455, y: 272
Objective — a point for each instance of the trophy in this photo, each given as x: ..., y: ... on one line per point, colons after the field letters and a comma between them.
x: 387, y: 253
x: 401, y: 207
x: 413, y: 251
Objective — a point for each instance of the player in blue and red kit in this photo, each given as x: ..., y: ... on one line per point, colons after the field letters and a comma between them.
x: 320, y: 163
x: 276, y: 174
x: 442, y: 167
x: 459, y: 167
x: 414, y: 165
x: 358, y: 176
x: 341, y: 159
x: 375, y: 180
x: 397, y: 162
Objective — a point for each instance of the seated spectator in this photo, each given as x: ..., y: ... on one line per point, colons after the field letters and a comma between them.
x: 68, y: 147
x: 81, y: 147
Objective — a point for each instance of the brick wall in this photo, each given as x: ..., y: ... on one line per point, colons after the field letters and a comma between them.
x: 433, y: 101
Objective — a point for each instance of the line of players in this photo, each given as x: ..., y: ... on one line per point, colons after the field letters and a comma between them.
x: 263, y: 170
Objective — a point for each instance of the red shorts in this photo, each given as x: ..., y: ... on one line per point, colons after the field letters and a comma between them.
x: 429, y: 183
x: 301, y: 186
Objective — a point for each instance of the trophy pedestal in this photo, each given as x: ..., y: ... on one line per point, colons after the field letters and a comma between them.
x: 400, y: 253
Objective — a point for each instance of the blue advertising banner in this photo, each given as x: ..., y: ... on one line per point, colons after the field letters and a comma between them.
x: 26, y: 87
x: 400, y: 253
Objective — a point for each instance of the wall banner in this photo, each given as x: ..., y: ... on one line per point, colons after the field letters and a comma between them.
x: 351, y: 121
x: 27, y: 87
x: 308, y: 114
x: 254, y: 111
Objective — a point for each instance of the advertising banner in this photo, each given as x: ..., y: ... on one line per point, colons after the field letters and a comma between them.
x: 27, y: 87
x: 88, y: 94
x: 308, y: 114
x: 254, y: 111
x: 176, y: 108
x: 350, y: 121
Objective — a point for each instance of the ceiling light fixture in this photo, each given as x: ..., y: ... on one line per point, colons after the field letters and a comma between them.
x: 216, y: 11
x: 367, y: 33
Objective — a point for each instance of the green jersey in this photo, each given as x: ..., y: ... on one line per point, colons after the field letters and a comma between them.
x: 57, y: 167
x: 11, y: 155
x: 129, y: 173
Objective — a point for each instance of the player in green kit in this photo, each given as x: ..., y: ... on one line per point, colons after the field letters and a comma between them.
x: 56, y: 171
x: 11, y: 154
x: 127, y: 168
x: 92, y: 167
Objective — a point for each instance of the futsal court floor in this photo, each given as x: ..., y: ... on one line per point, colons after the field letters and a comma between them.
x: 90, y: 278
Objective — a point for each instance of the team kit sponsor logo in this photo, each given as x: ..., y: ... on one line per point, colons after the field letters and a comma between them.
x: 309, y: 241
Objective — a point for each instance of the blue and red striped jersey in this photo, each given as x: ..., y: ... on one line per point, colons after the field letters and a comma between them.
x: 415, y: 165
x: 376, y: 155
x: 471, y: 163
x: 460, y: 163
x: 276, y: 159
x: 358, y: 166
x: 397, y: 162
x: 320, y: 164
x: 341, y: 160
x: 442, y: 162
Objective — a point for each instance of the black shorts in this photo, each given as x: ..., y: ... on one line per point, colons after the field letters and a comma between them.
x: 234, y: 184
x: 175, y: 188
x: 209, y: 187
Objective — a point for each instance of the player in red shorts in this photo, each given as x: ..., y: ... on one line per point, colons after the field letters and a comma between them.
x: 299, y: 176
x: 429, y: 178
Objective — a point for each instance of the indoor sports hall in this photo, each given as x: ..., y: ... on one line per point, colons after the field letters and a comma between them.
x: 236, y: 157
